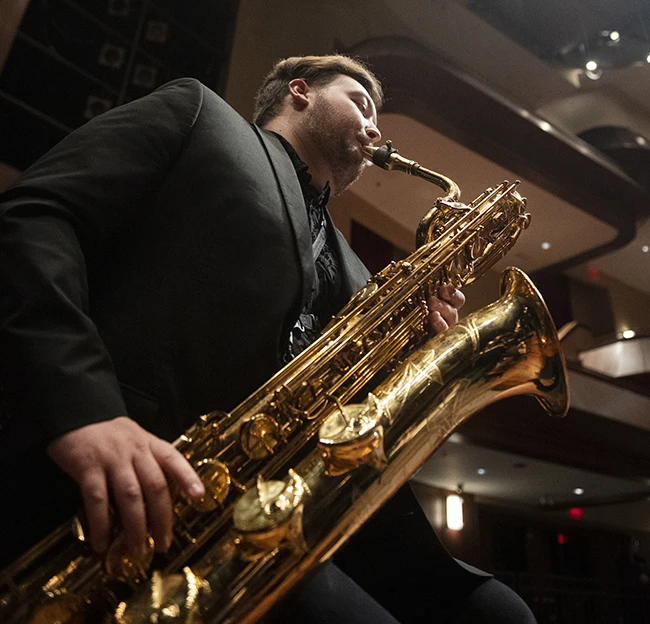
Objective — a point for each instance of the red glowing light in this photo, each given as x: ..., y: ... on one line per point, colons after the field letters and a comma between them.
x: 594, y: 274
x: 575, y: 513
x: 561, y: 538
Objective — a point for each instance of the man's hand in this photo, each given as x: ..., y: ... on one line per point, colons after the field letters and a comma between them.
x: 443, y: 308
x: 120, y: 457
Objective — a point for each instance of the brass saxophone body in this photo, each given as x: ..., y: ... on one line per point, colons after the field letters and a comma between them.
x: 258, y: 529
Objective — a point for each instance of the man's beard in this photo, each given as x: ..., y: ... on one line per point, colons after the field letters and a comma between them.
x: 336, y: 143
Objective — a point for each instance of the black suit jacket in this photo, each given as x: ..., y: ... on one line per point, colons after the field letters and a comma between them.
x: 152, y: 264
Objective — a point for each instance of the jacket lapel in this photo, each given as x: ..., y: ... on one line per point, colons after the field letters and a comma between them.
x: 294, y: 204
x: 355, y: 273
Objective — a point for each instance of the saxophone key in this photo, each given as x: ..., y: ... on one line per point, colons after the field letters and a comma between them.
x: 259, y: 436
x: 216, y: 479
x: 351, y: 437
x: 269, y: 517
x: 122, y: 565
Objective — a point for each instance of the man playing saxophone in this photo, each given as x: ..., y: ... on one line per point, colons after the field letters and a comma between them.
x: 161, y: 261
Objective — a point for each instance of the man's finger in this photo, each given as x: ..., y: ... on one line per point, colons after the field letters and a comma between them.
x: 437, y: 323
x: 177, y: 469
x: 445, y: 311
x: 129, y: 502
x: 94, y: 492
x: 157, y: 500
x: 452, y: 296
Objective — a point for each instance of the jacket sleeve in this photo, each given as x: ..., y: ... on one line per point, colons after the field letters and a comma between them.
x: 55, y: 373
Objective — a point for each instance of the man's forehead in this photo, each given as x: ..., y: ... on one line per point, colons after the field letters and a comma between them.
x: 353, y: 86
x: 347, y: 82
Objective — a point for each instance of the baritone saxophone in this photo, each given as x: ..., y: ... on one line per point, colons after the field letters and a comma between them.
x: 297, y: 468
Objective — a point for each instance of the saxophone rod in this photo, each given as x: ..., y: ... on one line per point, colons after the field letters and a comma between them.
x: 387, y: 158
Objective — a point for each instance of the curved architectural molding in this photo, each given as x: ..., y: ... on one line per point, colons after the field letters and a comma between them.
x: 483, y: 121
x: 627, y: 147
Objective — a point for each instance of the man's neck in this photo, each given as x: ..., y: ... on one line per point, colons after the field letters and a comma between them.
x: 318, y: 168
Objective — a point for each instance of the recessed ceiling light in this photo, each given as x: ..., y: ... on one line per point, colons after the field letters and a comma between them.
x: 629, y: 333
x: 647, y: 58
x: 594, y: 75
x: 480, y: 471
x: 546, y: 245
x: 544, y: 125
x: 592, y: 66
x: 578, y: 491
x: 645, y: 249
x: 614, y: 35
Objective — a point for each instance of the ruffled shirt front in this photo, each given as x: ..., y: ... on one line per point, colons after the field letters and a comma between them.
x: 325, y: 299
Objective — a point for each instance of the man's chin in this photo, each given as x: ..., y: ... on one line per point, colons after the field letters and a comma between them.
x: 344, y: 181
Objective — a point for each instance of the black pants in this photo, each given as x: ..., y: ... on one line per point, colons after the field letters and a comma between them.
x: 332, y: 597
x: 396, y: 570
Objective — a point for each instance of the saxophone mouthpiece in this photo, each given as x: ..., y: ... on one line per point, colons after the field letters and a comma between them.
x: 369, y: 151
x: 380, y: 156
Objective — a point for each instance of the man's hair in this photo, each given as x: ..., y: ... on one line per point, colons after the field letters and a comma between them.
x: 316, y: 71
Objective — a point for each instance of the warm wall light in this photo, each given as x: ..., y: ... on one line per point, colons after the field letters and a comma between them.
x: 629, y: 333
x: 455, y: 512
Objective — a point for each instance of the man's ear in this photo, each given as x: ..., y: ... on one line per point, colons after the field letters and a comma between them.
x: 300, y: 93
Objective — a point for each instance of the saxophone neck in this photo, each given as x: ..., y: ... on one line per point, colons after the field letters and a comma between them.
x: 387, y: 158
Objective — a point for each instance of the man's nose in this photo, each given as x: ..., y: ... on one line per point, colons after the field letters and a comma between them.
x: 372, y: 132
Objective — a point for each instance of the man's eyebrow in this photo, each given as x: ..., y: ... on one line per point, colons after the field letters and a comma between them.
x: 360, y: 92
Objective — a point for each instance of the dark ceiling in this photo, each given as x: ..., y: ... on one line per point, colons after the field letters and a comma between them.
x: 571, y: 32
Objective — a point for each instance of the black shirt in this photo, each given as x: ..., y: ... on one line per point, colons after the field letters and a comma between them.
x: 324, y: 300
